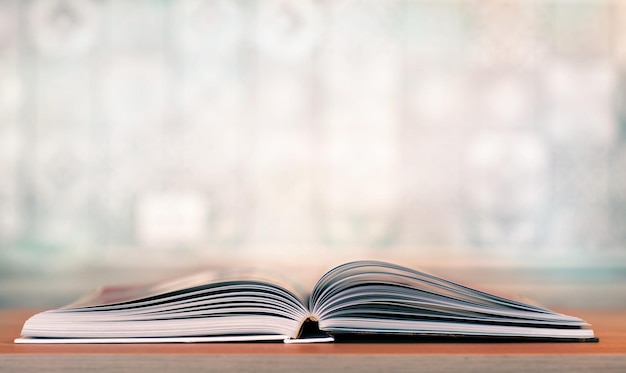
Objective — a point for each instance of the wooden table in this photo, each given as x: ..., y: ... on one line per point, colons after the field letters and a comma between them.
x: 606, y: 356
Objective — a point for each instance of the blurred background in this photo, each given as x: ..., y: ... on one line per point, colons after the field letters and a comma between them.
x: 484, y: 140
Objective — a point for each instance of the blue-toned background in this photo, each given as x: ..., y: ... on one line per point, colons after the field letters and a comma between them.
x: 175, y: 134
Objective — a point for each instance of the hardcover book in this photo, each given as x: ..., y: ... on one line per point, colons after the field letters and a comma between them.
x: 362, y: 300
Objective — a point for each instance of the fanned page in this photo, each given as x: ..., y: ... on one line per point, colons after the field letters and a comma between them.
x: 125, y: 294
x: 382, y: 299
x: 206, y: 307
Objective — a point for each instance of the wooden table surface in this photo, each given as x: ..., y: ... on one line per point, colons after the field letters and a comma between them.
x: 607, y: 355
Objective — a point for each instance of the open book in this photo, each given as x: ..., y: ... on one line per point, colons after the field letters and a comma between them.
x: 357, y: 300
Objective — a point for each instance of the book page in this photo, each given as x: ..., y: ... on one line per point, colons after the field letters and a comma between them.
x: 108, y: 295
x: 370, y: 297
